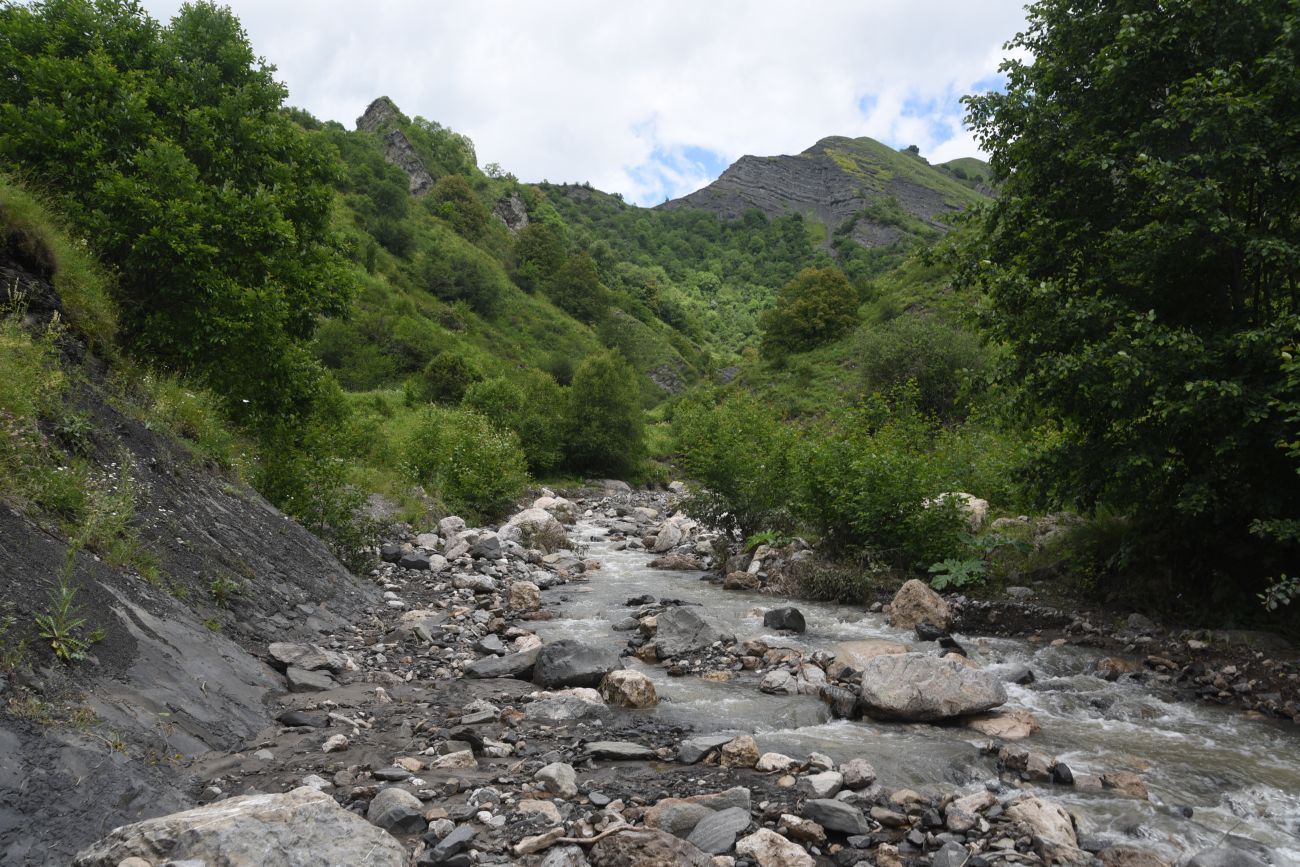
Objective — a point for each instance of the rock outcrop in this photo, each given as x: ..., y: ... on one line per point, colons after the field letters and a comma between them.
x: 382, y: 118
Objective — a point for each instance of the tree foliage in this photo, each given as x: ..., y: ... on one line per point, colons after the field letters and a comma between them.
x: 1141, y: 263
x: 175, y: 157
x: 606, y: 433
x: 817, y: 306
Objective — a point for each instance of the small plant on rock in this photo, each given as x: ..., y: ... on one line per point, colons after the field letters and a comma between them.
x: 225, y: 590
x: 61, y: 624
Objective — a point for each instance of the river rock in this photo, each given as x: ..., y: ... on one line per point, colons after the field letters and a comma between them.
x: 854, y: 655
x: 1126, y: 782
x: 559, y: 779
x: 916, y: 603
x: 695, y: 748
x: 297, y: 829
x: 623, y: 751
x: 535, y: 528
x: 827, y: 784
x: 1050, y: 825
x: 572, y: 663
x: 716, y: 833
x: 858, y: 773
x: 778, y: 681
x: 308, y: 681
x: 565, y: 511
x: 524, y: 596
x: 919, y: 688
x: 1012, y: 725
x: 645, y: 847
x: 836, y: 816
x: 769, y: 849
x: 516, y: 665
x: 681, y: 631
x: 676, y: 562
x: 771, y: 762
x: 740, y: 752
x: 565, y: 856
x: 307, y: 657
x: 787, y: 617
x: 951, y: 855
x: 567, y: 704
x: 627, y: 688
x: 740, y: 581
x: 396, y: 811
x: 668, y: 537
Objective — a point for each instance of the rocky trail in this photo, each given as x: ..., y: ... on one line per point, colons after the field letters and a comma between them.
x: 567, y: 690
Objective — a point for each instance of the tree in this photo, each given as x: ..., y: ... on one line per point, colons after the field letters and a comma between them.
x: 538, y: 254
x: 577, y: 289
x: 453, y: 200
x: 176, y: 158
x: 1141, y: 264
x: 606, y: 432
x: 447, y: 376
x: 816, y: 307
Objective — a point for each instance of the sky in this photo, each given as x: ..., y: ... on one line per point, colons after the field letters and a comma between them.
x: 651, y: 99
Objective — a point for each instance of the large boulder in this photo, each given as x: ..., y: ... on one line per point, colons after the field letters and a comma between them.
x: 1052, y: 830
x: 307, y: 657
x: 769, y: 849
x: 920, y: 688
x: 397, y: 811
x: 565, y: 511
x: 302, y: 828
x: 853, y: 656
x: 518, y: 665
x: 572, y: 663
x: 916, y: 603
x: 681, y: 631
x: 535, y: 528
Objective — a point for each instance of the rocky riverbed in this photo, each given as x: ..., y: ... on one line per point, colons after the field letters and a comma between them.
x: 544, y: 693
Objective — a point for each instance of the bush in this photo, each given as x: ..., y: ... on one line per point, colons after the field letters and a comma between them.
x: 446, y: 377
x: 477, y: 468
x: 939, y: 358
x: 740, y: 452
x: 606, y: 432
x: 533, y: 410
x: 454, y: 201
x: 577, y: 289
x: 458, y: 271
x: 867, y: 474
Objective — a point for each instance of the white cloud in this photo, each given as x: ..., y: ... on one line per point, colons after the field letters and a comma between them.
x: 619, y: 94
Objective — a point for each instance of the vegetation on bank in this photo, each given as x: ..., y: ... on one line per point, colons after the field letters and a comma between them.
x: 1114, y: 336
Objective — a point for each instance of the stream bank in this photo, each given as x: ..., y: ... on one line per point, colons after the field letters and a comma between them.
x: 403, y: 719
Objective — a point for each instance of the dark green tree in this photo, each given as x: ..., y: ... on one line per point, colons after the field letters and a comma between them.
x: 446, y: 377
x: 816, y: 307
x: 175, y: 156
x: 1142, y: 262
x: 453, y: 200
x: 577, y: 289
x: 606, y: 432
x: 538, y: 254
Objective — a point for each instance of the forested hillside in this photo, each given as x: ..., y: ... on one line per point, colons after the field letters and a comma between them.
x: 847, y: 333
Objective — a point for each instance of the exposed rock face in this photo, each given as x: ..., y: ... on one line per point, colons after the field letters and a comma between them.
x: 298, y: 829
x: 915, y: 603
x: 824, y: 182
x: 382, y: 117
x: 512, y: 212
x: 920, y: 688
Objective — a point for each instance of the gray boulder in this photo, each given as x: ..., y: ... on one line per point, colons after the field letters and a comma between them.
x: 572, y: 663
x: 716, y: 833
x: 517, y: 665
x: 920, y: 688
x: 681, y: 631
x: 836, y: 816
x: 308, y: 681
x: 1225, y: 856
x: 303, y: 828
x: 787, y: 617
x: 397, y: 811
x: 307, y: 657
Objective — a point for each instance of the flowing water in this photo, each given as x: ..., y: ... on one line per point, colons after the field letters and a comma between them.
x: 1239, y: 776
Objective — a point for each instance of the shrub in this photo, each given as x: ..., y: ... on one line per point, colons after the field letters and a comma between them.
x: 477, y: 468
x: 446, y: 377
x: 576, y: 289
x: 533, y: 410
x: 866, y: 476
x: 740, y: 452
x: 939, y: 358
x: 454, y: 201
x: 458, y: 271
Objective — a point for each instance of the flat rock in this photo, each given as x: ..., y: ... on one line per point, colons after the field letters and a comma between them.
x: 302, y: 828
x: 693, y: 749
x: 308, y: 681
x: 682, y: 630
x: 619, y: 750
x: 836, y: 816
x: 516, y: 665
x: 716, y: 833
x: 572, y: 663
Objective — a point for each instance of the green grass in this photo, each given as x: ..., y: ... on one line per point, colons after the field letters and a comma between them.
x: 31, y: 231
x: 876, y: 164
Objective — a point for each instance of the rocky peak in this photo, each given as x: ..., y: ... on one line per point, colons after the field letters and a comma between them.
x: 384, y: 117
x: 380, y: 115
